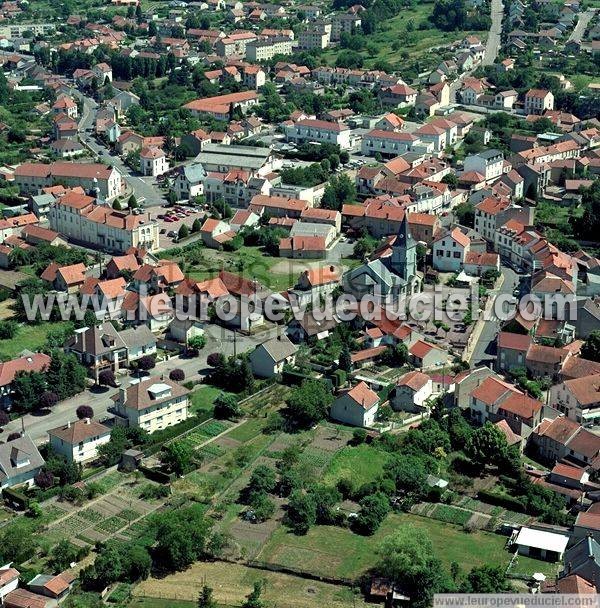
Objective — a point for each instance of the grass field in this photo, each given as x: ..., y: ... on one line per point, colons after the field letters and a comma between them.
x: 204, y: 397
x: 418, y: 42
x: 338, y: 552
x: 360, y: 464
x: 232, y: 582
x: 29, y: 337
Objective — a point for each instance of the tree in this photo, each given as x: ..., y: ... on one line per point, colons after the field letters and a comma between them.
x: 309, y: 403
x: 48, y: 399
x: 65, y: 374
x: 177, y: 375
x: 178, y: 457
x: 196, y: 343
x: 107, y: 378
x: 117, y: 206
x: 407, y: 557
x: 196, y: 225
x: 465, y: 214
x: 183, y: 232
x: 8, y: 329
x: 27, y: 388
x: 63, y: 555
x: 227, y: 407
x: 262, y: 506
x: 146, y: 363
x: 44, y: 479
x: 486, y: 579
x: 373, y: 510
x: 409, y: 474
x: 262, y: 480
x: 205, y: 599
x: 253, y: 598
x: 451, y: 180
x: 591, y: 348
x: 487, y: 445
x: 345, y: 359
x: 132, y: 202
x: 302, y: 511
x: 84, y: 411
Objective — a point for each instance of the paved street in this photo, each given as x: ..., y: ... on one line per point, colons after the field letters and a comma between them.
x: 218, y: 340
x: 144, y: 187
x: 491, y: 48
x: 582, y: 23
x: 493, y: 41
x: 483, y: 349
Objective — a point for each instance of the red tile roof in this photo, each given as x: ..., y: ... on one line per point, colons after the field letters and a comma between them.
x: 363, y: 395
x: 514, y: 341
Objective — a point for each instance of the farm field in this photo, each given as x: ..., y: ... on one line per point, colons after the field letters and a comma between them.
x: 232, y: 582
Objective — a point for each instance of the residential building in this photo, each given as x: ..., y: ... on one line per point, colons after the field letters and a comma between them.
x: 153, y: 162
x: 152, y: 404
x: 356, y: 407
x: 35, y: 362
x: 79, y: 441
x: 269, y: 358
x: 308, y: 130
x: 20, y: 462
x: 489, y: 163
x: 265, y: 50
x: 412, y: 392
x: 537, y: 101
x: 450, y: 251
x: 221, y: 106
x: 82, y: 221
x: 578, y: 398
x: 101, y: 180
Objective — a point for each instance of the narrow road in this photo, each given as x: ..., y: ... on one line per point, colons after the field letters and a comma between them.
x: 493, y: 42
x: 143, y: 187
x: 481, y: 351
x: 581, y: 26
x: 492, y: 46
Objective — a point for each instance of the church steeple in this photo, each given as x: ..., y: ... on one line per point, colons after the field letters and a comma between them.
x: 404, y: 252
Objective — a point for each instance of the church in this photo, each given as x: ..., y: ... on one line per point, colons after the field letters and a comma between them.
x: 390, y: 276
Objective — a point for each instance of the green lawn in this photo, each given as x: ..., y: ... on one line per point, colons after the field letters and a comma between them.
x: 204, y: 397
x: 338, y: 552
x: 29, y: 337
x: 360, y: 464
x: 247, y: 431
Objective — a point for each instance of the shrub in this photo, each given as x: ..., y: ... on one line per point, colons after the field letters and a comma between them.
x: 177, y: 375
x: 48, y: 399
x: 44, y: 479
x: 13, y: 436
x: 84, y: 411
x: 4, y: 419
x: 147, y: 362
x: 107, y: 378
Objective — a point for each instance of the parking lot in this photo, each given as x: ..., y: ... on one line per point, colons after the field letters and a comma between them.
x: 170, y: 220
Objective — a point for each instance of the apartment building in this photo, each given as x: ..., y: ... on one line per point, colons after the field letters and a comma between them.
x: 317, y: 36
x: 537, y: 101
x: 102, y: 181
x: 323, y: 131
x: 489, y: 163
x: 264, y: 50
x: 152, y: 404
x: 81, y: 220
x: 392, y: 144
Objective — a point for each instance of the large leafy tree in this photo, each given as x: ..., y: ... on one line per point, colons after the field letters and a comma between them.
x: 309, y: 403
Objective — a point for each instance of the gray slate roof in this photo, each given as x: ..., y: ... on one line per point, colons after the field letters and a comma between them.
x: 278, y: 348
x: 13, y: 452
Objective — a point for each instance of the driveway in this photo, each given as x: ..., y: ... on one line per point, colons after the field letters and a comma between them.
x: 219, y: 339
x: 581, y: 26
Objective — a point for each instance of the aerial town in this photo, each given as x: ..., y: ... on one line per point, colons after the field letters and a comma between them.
x: 299, y: 303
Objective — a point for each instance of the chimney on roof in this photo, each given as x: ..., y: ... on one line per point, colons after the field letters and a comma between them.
x: 87, y: 421
x: 69, y: 424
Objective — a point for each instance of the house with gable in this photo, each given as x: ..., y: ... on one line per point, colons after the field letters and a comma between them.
x: 357, y: 406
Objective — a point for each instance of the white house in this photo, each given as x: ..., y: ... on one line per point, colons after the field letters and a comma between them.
x: 537, y: 101
x: 449, y: 251
x: 356, y: 407
x: 411, y: 392
x: 321, y: 131
x: 489, y: 163
x: 153, y: 161
x: 79, y: 441
x: 152, y: 404
x: 269, y: 358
